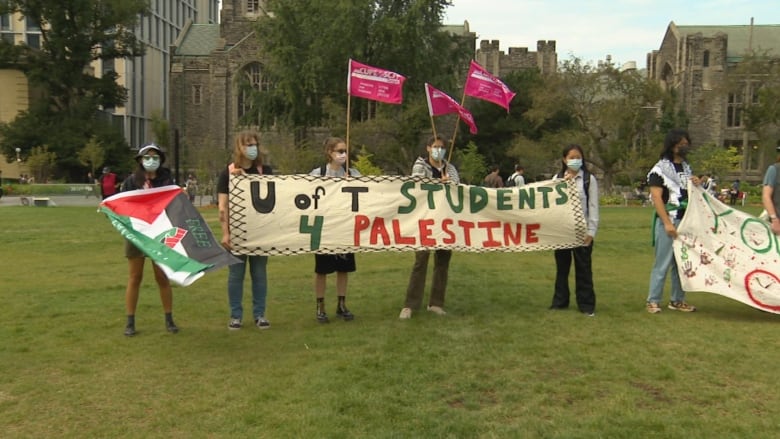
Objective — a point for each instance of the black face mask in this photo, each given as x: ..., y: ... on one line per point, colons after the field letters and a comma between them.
x: 683, y: 151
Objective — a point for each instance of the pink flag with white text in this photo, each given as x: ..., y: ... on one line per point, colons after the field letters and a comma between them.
x: 373, y: 83
x: 440, y: 103
x: 482, y: 85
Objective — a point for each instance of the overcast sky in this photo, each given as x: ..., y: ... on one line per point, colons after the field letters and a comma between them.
x: 591, y: 29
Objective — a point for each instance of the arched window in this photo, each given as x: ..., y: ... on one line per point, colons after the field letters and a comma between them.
x: 251, y: 82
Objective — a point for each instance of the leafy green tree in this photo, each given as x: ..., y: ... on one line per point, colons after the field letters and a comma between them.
x: 314, y: 39
x: 607, y: 107
x: 92, y: 155
x: 40, y: 162
x: 364, y: 164
x: 472, y: 167
x: 714, y: 160
x: 74, y: 34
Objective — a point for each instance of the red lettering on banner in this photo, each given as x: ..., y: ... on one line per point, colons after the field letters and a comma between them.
x: 361, y: 223
x: 445, y: 226
x: 466, y: 226
x: 488, y: 226
x: 493, y: 234
x: 425, y: 232
x: 397, y: 234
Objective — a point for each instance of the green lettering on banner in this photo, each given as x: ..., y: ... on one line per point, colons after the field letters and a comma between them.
x: 478, y: 199
x: 405, y: 187
x: 431, y: 188
x: 448, y: 191
x: 315, y: 230
x: 545, y: 191
x: 563, y: 197
x: 504, y: 199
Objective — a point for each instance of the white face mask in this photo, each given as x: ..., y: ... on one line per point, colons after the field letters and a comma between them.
x: 150, y: 164
x: 251, y: 152
x: 437, y: 154
x: 574, y: 164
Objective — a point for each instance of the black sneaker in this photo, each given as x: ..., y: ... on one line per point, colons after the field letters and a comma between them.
x: 171, y: 327
x: 343, y: 313
x: 129, y: 330
x: 322, y: 317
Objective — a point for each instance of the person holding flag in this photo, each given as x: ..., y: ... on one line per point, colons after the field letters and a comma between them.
x: 433, y: 166
x: 148, y: 174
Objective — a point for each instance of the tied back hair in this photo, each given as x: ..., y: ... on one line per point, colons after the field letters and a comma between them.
x: 566, y: 151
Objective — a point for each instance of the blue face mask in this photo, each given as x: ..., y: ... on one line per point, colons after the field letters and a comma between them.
x: 574, y: 164
x: 437, y: 154
x: 251, y: 152
x: 151, y: 163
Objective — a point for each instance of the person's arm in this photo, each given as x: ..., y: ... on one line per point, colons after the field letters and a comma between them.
x: 656, y: 194
x: 222, y: 201
x: 593, y: 210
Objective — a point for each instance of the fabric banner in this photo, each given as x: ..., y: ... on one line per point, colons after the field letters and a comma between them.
x: 439, y: 103
x: 725, y: 251
x: 293, y: 214
x: 374, y: 83
x: 482, y: 85
x: 167, y: 228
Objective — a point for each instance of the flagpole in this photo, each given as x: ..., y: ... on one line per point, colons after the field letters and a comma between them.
x: 433, y: 126
x: 457, y: 125
x: 349, y: 107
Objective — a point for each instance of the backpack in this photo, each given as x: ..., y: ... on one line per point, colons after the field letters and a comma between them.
x: 511, y: 181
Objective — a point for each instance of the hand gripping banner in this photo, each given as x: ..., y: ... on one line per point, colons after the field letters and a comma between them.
x: 294, y: 214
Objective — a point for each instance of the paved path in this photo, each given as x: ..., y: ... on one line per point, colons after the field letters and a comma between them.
x: 75, y: 200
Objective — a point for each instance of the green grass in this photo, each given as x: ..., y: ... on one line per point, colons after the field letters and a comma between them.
x: 499, y: 365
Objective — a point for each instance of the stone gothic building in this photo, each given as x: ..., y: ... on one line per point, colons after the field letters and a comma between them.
x: 696, y: 62
x: 210, y: 62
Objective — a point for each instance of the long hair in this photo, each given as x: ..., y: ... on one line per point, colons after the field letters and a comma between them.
x: 243, y: 137
x: 673, y: 137
x: 566, y: 151
x: 329, y: 145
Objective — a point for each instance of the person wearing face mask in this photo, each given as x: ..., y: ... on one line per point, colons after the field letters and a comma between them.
x: 573, y: 168
x: 342, y: 264
x: 246, y: 160
x: 435, y: 167
x: 668, y: 181
x: 149, y: 174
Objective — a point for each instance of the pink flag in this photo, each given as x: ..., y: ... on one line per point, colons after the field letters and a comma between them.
x: 481, y: 84
x: 439, y: 103
x: 374, y: 83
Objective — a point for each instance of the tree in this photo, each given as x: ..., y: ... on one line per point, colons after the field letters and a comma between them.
x: 472, y: 167
x: 40, y: 162
x: 607, y: 106
x: 92, y: 155
x: 74, y: 34
x: 364, y: 165
x: 314, y: 39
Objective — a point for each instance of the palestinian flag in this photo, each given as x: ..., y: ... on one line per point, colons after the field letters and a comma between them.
x: 167, y: 228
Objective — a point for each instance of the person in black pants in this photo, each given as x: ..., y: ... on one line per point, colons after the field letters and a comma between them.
x: 574, y: 169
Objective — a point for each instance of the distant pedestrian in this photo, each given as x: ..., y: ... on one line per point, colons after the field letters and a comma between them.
x: 734, y: 192
x: 516, y: 179
x: 493, y: 179
x: 108, y: 183
x: 191, y: 186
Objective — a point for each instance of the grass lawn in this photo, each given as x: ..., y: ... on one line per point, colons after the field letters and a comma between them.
x: 499, y: 365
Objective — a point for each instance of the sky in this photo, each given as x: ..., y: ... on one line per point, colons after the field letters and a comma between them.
x: 591, y: 29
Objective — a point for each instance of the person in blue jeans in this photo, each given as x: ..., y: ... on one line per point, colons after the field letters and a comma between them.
x: 248, y: 160
x: 668, y: 181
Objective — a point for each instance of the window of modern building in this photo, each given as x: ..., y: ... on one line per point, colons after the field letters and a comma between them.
x: 34, y: 41
x: 5, y: 22
x: 31, y: 25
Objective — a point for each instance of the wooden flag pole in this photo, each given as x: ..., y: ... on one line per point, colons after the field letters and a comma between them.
x: 457, y: 125
x: 349, y: 108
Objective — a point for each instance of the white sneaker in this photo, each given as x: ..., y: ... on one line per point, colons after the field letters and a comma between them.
x: 406, y: 313
x: 437, y: 310
x: 234, y: 324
